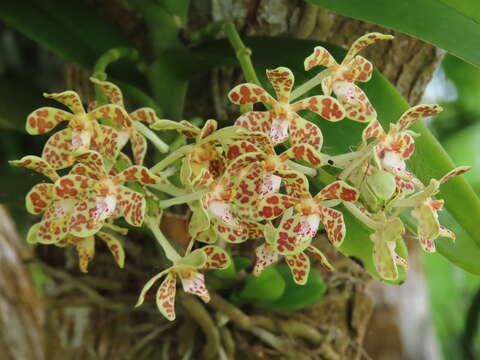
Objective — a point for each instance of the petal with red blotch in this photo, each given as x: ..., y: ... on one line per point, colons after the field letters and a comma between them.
x: 37, y: 164
x: 255, y: 121
x: 86, y: 252
x: 184, y: 127
x: 444, y: 232
x: 165, y: 296
x: 58, y: 149
x: 45, y: 119
x: 138, y: 173
x: 361, y: 69
x: 113, y: 93
x: 296, y: 184
x: 116, y: 114
x: 337, y: 190
x: 404, y: 185
x: 354, y: 101
x: 373, y: 130
x: 151, y: 282
x: 205, y: 178
x: 320, y: 257
x: 70, y: 99
x: 250, y: 94
x: 80, y: 169
x: 334, y: 225
x: 51, y: 231
x: 217, y: 258
x: 299, y: 266
x: 326, y: 106
x: 88, y: 217
x: 123, y: 162
x: 39, y: 198
x: 115, y: 247
x: 195, y: 284
x: 253, y: 228
x: 428, y: 228
x: 274, y: 205
x: 303, y: 152
x: 327, y: 85
x: 241, y: 147
x: 305, y: 132
x: 264, y: 257
x: 94, y: 162
x: 132, y: 206
x: 295, y: 233
x: 249, y: 185
x: 455, y: 172
x: 107, y: 141
x: 139, y: 146
x: 363, y: 41
x: 239, y: 165
x: 144, y: 114
x: 231, y: 234
x: 81, y: 140
x: 319, y: 57
x: 282, y: 80
x: 415, y: 113
x: 208, y: 236
x: 208, y: 129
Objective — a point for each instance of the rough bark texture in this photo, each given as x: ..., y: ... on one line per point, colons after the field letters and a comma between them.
x: 91, y: 316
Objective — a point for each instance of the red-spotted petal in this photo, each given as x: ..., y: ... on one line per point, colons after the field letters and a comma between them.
x: 325, y: 106
x: 37, y: 164
x: 303, y: 152
x: 444, y: 232
x: 250, y: 94
x: 299, y: 266
x: 94, y: 162
x: 305, y: 132
x: 274, y: 205
x: 208, y: 129
x: 53, y: 230
x: 264, y: 257
x: 354, y: 101
x: 165, y: 296
x: 205, y: 178
x: 139, y: 147
x: 115, y: 247
x: 282, y: 80
x: 85, y: 249
x: 138, y: 173
x: 428, y: 228
x: 240, y: 147
x: 58, y: 149
x: 417, y: 113
x: 334, y: 225
x: 195, y: 284
x: 45, y: 119
x: 217, y: 258
x: 115, y: 113
x: 70, y: 99
x: 131, y: 205
x: 320, y: 57
x: 363, y: 41
x: 144, y: 114
x: 184, y: 127
x: 123, y: 161
x: 112, y: 91
x: 320, y: 257
x: 296, y: 184
x: 39, y: 198
x: 337, y: 190
x: 362, y: 69
x: 278, y: 132
x: 88, y: 216
x: 373, y: 130
x: 255, y: 121
x: 295, y: 233
x: 455, y: 172
x: 231, y: 234
x: 107, y: 141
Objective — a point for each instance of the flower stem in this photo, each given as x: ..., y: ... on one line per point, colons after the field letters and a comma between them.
x: 170, y: 252
x: 325, y: 177
x: 242, y: 52
x: 340, y: 161
x: 372, y: 224
x: 301, y: 168
x: 171, y: 158
x: 310, y: 84
x: 169, y: 189
x: 181, y: 199
x: 150, y: 135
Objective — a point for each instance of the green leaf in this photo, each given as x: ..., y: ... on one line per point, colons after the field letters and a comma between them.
x: 452, y: 25
x: 269, y: 286
x: 430, y: 159
x: 296, y: 296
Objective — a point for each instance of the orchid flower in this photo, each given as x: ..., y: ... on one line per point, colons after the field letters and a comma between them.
x: 261, y: 172
x: 340, y: 78
x: 83, y: 131
x: 129, y: 130
x: 299, y: 264
x: 103, y: 196
x: 187, y: 269
x: 282, y: 121
x: 425, y: 211
x: 297, y: 231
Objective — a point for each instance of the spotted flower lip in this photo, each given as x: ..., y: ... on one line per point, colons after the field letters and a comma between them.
x: 83, y: 131
x: 187, y: 269
x: 340, y: 78
x: 282, y: 122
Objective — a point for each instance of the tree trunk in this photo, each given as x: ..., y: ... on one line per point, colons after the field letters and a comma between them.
x: 92, y: 316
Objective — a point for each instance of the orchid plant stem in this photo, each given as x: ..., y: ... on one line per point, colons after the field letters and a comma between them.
x: 170, y: 253
x: 172, y: 157
x: 372, y: 224
x: 150, y: 135
x: 242, y: 52
x: 340, y: 161
x: 301, y: 168
x: 181, y: 199
x: 169, y: 189
x: 310, y: 84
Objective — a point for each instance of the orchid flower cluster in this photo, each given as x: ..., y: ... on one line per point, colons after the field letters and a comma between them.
x: 242, y: 182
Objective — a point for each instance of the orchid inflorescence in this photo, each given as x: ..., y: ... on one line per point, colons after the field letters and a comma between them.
x: 242, y: 182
